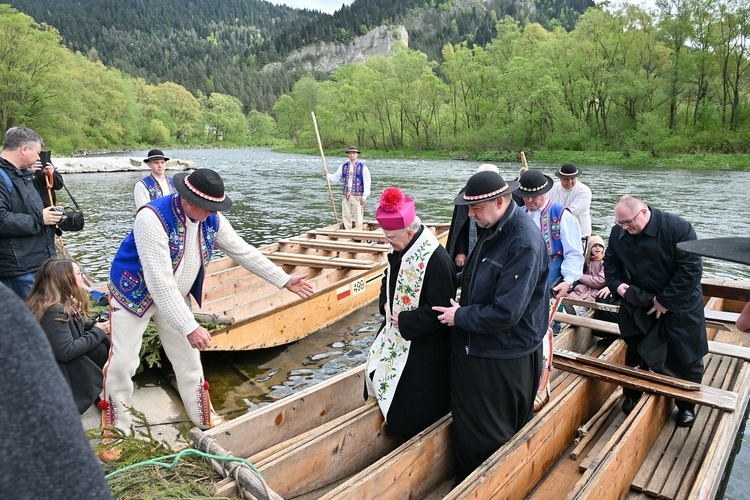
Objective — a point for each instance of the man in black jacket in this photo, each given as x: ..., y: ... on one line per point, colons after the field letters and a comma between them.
x: 27, y: 229
x: 496, y: 344
x: 661, y: 319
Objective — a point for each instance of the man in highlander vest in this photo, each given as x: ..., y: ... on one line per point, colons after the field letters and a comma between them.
x: 355, y: 180
x: 156, y: 184
x: 162, y: 260
x: 408, y: 365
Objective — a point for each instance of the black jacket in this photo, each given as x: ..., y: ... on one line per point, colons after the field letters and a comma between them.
x: 25, y: 242
x: 504, y: 309
x: 80, y: 354
x: 652, y: 262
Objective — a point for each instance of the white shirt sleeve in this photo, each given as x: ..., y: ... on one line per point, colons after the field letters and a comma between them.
x: 570, y: 236
x: 247, y: 255
x: 336, y: 176
x: 365, y: 182
x: 153, y: 250
x: 140, y: 194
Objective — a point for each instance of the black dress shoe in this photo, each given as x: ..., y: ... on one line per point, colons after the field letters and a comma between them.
x: 628, y: 405
x: 685, y: 418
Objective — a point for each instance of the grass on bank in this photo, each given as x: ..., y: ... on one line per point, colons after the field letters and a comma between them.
x: 637, y: 159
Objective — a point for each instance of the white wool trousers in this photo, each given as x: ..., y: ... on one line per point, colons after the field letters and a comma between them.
x: 127, y: 331
x: 352, y: 212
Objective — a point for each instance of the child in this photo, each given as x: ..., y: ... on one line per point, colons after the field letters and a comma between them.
x: 591, y: 285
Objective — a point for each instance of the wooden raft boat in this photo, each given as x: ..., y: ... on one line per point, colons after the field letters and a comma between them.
x: 345, y: 268
x: 325, y: 442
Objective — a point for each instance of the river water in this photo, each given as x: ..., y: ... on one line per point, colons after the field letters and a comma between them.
x: 278, y: 195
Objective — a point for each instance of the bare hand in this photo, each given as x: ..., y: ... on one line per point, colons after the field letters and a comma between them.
x: 622, y: 289
x: 50, y: 216
x: 325, y: 173
x: 460, y: 260
x: 298, y: 285
x: 603, y: 293
x: 394, y: 321
x: 361, y: 201
x: 562, y: 289
x: 658, y: 308
x: 200, y: 338
x: 448, y: 314
x: 104, y: 326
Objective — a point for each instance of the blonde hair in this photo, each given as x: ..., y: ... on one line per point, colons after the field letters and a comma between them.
x: 55, y: 283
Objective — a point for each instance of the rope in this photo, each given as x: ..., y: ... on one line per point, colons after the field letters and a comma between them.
x: 176, y: 457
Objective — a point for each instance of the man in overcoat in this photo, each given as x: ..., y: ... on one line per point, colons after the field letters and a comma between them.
x: 661, y: 318
x: 499, y: 324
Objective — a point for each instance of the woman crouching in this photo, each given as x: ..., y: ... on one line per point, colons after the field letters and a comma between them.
x: 60, y: 303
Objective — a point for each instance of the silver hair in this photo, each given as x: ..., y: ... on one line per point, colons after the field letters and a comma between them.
x: 17, y: 137
x: 633, y: 203
x: 415, y: 224
x: 488, y: 167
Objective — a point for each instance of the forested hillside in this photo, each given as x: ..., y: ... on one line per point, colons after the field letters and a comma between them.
x: 220, y: 46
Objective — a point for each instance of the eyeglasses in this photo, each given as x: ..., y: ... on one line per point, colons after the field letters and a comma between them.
x: 628, y: 222
x: 392, y: 236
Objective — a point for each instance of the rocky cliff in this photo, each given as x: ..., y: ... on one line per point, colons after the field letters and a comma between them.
x: 327, y: 57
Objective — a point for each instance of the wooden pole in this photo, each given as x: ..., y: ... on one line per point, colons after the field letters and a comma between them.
x: 524, y: 165
x: 325, y: 170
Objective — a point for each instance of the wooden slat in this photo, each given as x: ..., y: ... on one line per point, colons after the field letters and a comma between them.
x: 332, y: 456
x: 296, y: 259
x: 707, y: 395
x: 726, y: 289
x: 349, y: 234
x: 589, y: 430
x: 612, y: 329
x: 628, y: 370
x: 337, y: 246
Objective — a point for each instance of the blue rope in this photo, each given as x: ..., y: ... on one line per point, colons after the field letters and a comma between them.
x: 160, y: 461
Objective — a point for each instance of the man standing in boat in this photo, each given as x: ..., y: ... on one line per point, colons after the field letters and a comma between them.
x: 156, y: 184
x: 574, y: 195
x: 496, y: 345
x: 408, y: 362
x: 661, y: 317
x: 158, y: 264
x: 355, y: 180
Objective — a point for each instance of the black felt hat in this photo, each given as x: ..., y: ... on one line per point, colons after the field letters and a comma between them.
x: 203, y: 188
x: 568, y: 171
x: 155, y: 154
x: 352, y: 149
x: 484, y: 186
x: 533, y: 183
x: 731, y: 249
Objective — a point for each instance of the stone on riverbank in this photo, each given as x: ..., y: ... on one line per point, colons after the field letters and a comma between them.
x: 113, y: 164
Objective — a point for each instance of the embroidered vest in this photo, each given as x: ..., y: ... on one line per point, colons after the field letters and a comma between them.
x: 154, y: 188
x: 550, y: 222
x: 390, y: 351
x: 358, y: 185
x: 126, y: 281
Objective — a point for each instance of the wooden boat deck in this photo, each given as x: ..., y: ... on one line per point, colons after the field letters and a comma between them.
x: 342, y: 452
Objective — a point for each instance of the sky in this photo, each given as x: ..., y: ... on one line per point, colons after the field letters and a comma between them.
x: 328, y: 6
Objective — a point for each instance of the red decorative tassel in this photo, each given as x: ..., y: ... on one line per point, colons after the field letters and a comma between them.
x: 102, y: 405
x: 205, y: 385
x: 392, y: 199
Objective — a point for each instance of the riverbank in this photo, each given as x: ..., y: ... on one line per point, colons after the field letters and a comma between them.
x: 637, y: 159
x: 113, y: 164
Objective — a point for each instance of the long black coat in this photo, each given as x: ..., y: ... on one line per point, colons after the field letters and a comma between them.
x: 80, y: 354
x: 423, y: 392
x: 652, y: 262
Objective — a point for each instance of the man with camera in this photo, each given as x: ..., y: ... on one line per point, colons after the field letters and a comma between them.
x: 27, y: 229
x: 46, y: 174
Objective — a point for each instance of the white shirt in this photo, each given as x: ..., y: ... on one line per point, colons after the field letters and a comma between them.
x: 140, y: 192
x: 577, y: 200
x: 570, y: 236
x: 337, y: 177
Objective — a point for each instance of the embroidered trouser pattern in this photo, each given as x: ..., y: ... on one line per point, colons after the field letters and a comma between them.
x: 127, y: 336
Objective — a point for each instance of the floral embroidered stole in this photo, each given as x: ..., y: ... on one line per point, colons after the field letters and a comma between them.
x: 390, y: 351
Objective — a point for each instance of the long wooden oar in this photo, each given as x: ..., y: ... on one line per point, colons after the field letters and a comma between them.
x: 325, y: 169
x: 523, y: 161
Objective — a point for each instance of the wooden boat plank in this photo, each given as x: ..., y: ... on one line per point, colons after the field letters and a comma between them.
x: 614, y: 422
x: 708, y: 478
x: 625, y: 452
x: 707, y: 395
x: 332, y: 456
x: 726, y: 289
x: 590, y: 429
x: 338, y: 246
x: 292, y: 416
x: 298, y: 259
x: 404, y: 473
x: 691, y: 453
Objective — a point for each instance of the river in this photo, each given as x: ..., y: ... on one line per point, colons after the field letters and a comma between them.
x: 279, y: 195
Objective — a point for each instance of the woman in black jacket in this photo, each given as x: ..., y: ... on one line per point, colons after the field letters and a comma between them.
x: 80, y: 345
